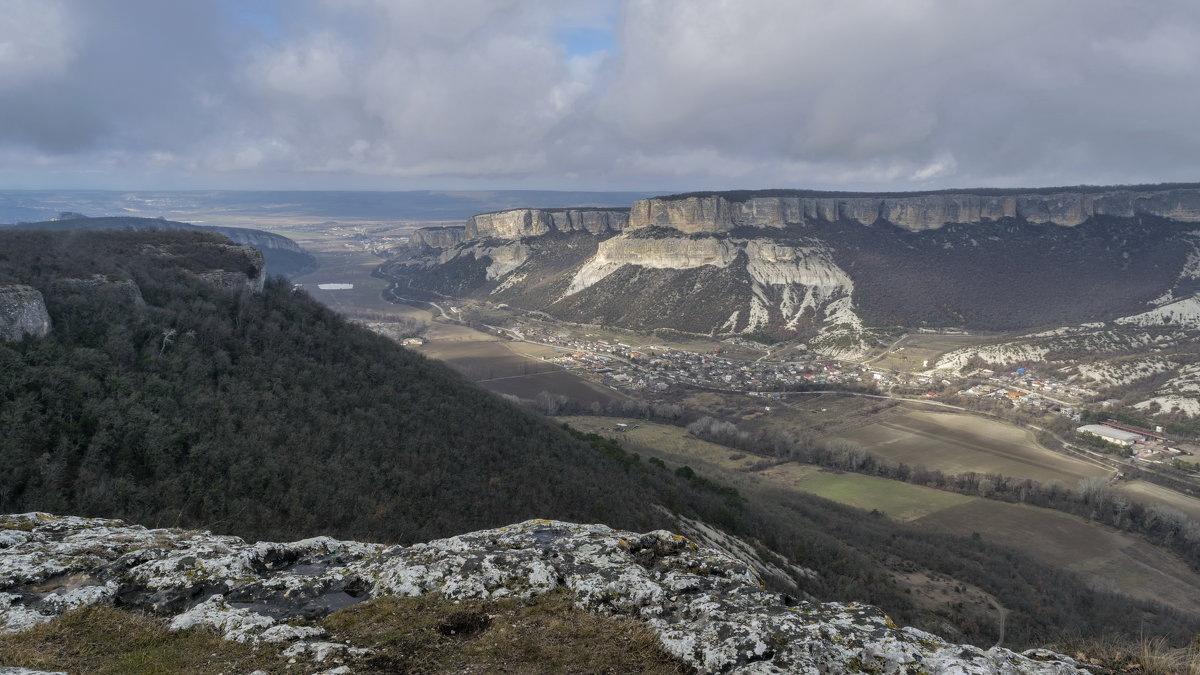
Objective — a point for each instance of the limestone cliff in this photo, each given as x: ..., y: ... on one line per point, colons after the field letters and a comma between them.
x: 718, y: 212
x: 517, y: 223
x: 22, y: 312
x: 787, y: 284
x: 836, y: 270
x: 437, y: 237
x: 708, y: 609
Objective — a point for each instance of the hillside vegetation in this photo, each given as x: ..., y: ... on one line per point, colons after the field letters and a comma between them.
x: 267, y: 416
x: 282, y: 255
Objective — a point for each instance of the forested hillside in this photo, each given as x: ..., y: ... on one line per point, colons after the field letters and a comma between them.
x: 282, y: 255
x: 265, y: 415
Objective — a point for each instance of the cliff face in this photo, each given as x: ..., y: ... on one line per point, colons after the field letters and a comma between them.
x: 22, y: 312
x: 517, y: 223
x: 437, y: 237
x: 708, y: 609
x: 716, y: 213
x: 822, y: 267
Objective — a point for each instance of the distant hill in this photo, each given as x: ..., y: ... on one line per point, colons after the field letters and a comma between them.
x: 283, y: 255
x: 264, y: 414
x: 318, y: 205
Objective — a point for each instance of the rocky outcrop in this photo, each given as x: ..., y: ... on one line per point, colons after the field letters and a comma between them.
x: 437, y: 237
x: 518, y: 223
x: 100, y: 284
x: 720, y: 213
x: 236, y: 280
x: 708, y: 609
x: 22, y: 312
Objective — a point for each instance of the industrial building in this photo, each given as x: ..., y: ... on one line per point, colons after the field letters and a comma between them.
x: 1118, y: 436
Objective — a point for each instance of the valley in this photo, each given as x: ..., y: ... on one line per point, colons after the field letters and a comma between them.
x: 617, y: 336
x: 589, y: 368
x: 777, y: 431
x: 947, y: 403
x: 1109, y: 559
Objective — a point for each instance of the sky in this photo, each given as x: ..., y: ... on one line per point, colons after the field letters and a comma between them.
x: 645, y: 95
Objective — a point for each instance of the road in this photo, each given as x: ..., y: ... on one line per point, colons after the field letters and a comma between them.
x: 886, y: 351
x: 439, y: 308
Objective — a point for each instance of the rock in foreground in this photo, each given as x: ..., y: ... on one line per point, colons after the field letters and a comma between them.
x: 709, y: 609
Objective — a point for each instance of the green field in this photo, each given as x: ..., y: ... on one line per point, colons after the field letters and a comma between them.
x: 894, y: 499
x: 898, y: 500
x: 957, y: 443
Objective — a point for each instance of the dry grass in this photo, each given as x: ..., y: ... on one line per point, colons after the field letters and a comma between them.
x: 1120, y: 654
x: 430, y: 634
x: 105, y: 640
x: 409, y: 635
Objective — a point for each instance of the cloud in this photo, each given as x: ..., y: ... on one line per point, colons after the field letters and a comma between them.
x: 639, y: 94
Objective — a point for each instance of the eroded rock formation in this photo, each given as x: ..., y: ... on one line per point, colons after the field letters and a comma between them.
x: 708, y: 609
x: 22, y: 312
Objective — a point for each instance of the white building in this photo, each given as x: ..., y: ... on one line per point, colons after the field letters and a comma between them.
x: 1111, y: 435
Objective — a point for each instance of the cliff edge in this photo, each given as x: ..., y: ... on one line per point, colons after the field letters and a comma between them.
x: 721, y: 212
x: 708, y: 609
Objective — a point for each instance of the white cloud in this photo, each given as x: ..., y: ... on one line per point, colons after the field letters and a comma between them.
x: 704, y: 93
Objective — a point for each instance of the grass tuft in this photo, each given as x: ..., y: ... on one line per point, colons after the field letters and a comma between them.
x: 1122, y: 654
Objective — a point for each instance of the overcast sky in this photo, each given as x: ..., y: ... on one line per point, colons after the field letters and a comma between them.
x: 651, y: 95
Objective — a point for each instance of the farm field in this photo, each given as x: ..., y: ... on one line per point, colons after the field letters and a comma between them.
x: 479, y: 356
x: 558, y: 382
x: 1142, y: 491
x: 1109, y: 558
x: 493, y: 364
x: 353, y: 267
x: 957, y: 443
x: 665, y: 440
x: 898, y: 500
x: 483, y: 359
x: 805, y: 413
x: 895, y: 499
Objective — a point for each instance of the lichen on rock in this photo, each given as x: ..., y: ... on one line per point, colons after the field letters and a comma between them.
x: 709, y: 609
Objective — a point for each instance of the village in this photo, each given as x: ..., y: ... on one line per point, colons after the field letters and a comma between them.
x: 656, y: 368
x: 1024, y: 388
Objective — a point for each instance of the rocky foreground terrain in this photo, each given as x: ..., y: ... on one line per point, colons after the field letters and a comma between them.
x: 708, y: 609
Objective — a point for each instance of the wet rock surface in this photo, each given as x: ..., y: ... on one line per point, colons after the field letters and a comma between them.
x: 708, y: 608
